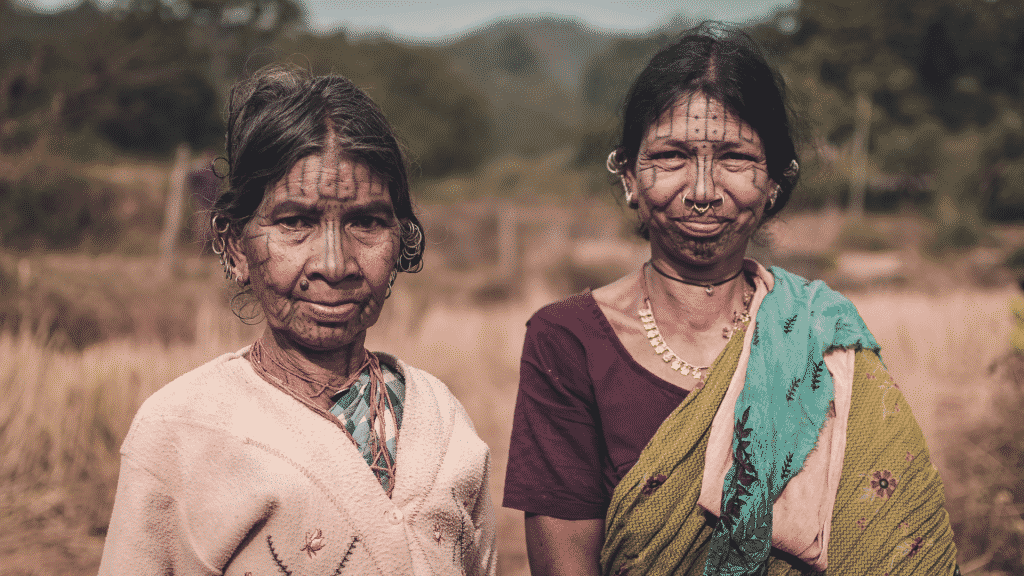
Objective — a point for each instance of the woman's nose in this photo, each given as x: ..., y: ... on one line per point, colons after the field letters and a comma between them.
x: 334, y: 258
x: 704, y: 184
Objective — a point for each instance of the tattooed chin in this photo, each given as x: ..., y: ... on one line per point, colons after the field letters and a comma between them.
x: 320, y: 333
x: 700, y: 249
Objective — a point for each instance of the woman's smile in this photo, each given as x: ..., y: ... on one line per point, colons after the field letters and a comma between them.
x: 702, y: 228
x: 335, y: 313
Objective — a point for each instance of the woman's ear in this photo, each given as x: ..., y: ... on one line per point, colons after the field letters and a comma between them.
x: 619, y: 168
x: 773, y: 194
x: 236, y: 257
x: 629, y: 187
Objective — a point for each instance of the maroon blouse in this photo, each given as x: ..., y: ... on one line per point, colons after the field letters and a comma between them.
x: 585, y: 411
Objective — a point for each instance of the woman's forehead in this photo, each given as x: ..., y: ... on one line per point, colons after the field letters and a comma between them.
x: 699, y: 117
x: 329, y: 176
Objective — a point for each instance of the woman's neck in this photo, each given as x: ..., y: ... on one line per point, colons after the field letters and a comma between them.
x: 690, y: 307
x: 307, y: 372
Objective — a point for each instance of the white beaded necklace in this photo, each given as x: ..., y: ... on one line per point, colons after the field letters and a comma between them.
x: 740, y: 320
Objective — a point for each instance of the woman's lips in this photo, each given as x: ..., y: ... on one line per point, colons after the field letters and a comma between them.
x: 333, y: 313
x: 701, y: 228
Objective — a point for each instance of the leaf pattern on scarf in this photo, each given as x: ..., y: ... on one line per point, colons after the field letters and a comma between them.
x: 780, y: 411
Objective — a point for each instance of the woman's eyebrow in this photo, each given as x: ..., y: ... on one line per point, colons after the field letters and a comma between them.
x: 292, y: 205
x: 668, y: 139
x: 685, y: 143
x: 375, y: 206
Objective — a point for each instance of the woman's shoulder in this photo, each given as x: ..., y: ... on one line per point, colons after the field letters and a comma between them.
x: 568, y: 311
x: 583, y: 310
x: 207, y: 389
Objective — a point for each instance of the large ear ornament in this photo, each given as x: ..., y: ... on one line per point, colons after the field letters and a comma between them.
x: 614, y: 165
x: 792, y: 170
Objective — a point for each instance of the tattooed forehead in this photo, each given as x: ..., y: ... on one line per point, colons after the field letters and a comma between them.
x: 699, y: 118
x: 328, y: 177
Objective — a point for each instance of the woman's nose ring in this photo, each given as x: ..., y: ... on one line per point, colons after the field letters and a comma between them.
x: 701, y: 208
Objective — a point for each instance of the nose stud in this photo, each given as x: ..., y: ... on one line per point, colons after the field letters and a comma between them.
x: 303, y: 284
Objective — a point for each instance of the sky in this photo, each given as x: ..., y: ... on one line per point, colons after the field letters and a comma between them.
x: 422, y: 19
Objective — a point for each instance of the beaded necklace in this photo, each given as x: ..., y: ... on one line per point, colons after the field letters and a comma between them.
x: 740, y: 320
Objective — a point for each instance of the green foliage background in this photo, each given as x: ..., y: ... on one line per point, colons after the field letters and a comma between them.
x: 92, y: 85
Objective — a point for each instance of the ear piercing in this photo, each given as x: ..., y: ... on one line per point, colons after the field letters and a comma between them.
x: 614, y: 165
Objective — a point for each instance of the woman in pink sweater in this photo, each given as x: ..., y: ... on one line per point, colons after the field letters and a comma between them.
x: 304, y: 453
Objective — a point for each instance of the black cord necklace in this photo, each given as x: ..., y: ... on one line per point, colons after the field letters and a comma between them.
x: 709, y: 287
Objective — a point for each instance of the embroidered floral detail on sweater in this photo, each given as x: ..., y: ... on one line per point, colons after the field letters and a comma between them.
x: 653, y: 483
x: 907, y: 549
x: 344, y: 559
x: 277, y: 559
x: 883, y: 484
x: 311, y: 542
x: 914, y: 546
x: 862, y: 523
x: 314, y: 543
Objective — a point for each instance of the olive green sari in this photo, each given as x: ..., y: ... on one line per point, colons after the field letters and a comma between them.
x: 888, y: 516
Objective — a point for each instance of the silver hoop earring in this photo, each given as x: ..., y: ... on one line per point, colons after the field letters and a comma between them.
x: 773, y: 196
x: 612, y: 163
x: 219, y: 246
x: 412, y: 247
x: 792, y: 170
x: 700, y: 209
x: 630, y: 200
x: 391, y: 282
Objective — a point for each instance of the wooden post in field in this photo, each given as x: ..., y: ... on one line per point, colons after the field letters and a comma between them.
x: 859, y: 159
x: 173, y: 206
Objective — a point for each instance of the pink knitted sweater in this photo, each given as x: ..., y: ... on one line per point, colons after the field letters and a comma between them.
x: 222, y: 473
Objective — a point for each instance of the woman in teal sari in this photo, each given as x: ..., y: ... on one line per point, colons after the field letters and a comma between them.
x: 703, y: 414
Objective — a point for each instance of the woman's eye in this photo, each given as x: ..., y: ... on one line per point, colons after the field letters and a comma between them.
x: 739, y: 156
x: 294, y: 222
x: 367, y: 222
x: 666, y: 159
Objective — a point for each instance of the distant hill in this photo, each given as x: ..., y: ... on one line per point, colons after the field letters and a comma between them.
x: 530, y: 71
x: 557, y: 47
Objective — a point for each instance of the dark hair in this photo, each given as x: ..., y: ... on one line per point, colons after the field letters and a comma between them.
x: 284, y: 114
x: 726, y: 65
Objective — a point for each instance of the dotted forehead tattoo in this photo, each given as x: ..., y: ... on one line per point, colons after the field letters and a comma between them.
x: 715, y: 124
x: 702, y: 126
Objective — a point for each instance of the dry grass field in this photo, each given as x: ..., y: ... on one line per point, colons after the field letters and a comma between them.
x: 67, y: 407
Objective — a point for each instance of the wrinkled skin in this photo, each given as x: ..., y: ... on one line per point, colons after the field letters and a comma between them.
x: 701, y: 182
x: 330, y: 222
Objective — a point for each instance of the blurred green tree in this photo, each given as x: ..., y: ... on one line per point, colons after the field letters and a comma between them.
x: 445, y: 123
